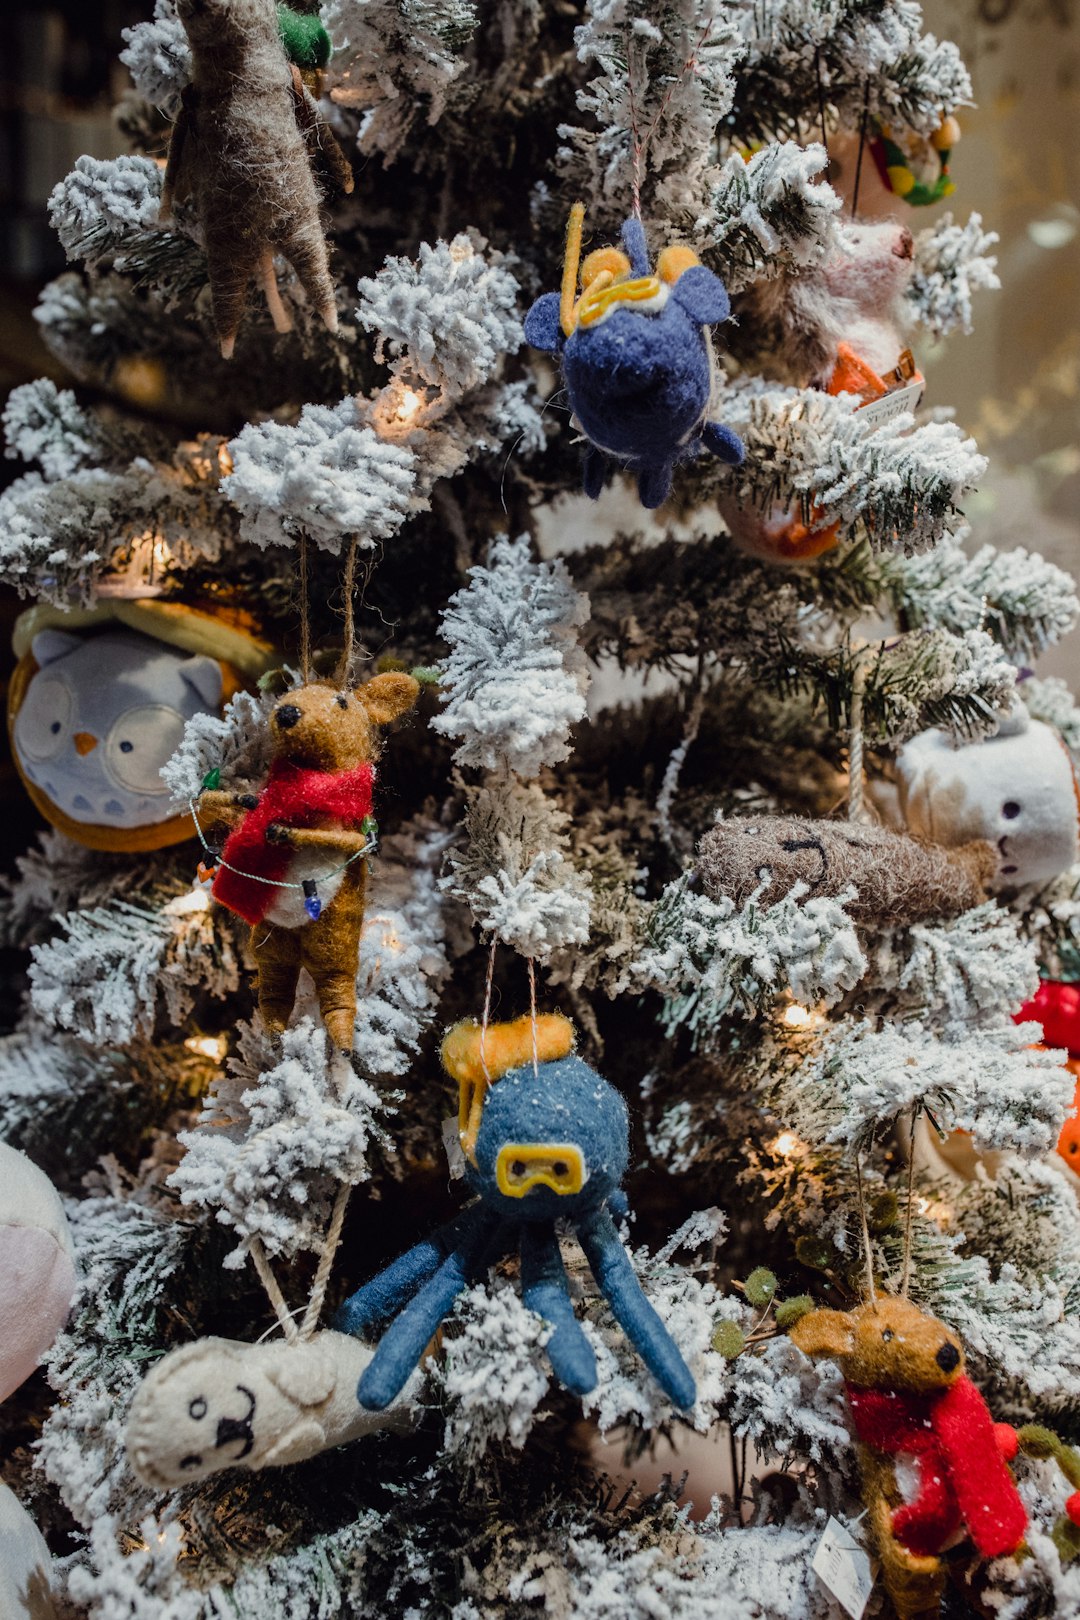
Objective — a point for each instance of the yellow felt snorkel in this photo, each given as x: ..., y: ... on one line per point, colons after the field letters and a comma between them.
x: 520, y: 1167
x: 605, y: 277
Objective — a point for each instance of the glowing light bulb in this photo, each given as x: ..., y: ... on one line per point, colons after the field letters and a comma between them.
x: 194, y: 900
x: 225, y: 461
x: 409, y: 406
x: 796, y: 1017
x: 208, y: 1046
x: 785, y: 1144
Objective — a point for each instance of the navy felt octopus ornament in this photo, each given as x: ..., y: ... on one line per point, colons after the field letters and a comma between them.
x: 637, y: 357
x: 545, y: 1140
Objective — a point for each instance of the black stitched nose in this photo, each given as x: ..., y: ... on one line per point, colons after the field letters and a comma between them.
x: 948, y: 1357
x: 287, y: 716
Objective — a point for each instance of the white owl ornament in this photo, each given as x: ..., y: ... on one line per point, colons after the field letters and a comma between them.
x: 1016, y: 790
x: 96, y: 709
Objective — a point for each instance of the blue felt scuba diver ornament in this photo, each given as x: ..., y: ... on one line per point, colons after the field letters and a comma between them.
x: 549, y: 1141
x: 636, y: 356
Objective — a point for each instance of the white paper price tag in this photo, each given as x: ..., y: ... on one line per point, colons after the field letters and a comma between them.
x: 845, y: 1568
x: 890, y: 405
x: 455, y: 1158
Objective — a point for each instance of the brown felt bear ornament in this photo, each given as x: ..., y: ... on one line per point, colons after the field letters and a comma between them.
x: 245, y: 151
x: 912, y: 1401
x: 293, y: 864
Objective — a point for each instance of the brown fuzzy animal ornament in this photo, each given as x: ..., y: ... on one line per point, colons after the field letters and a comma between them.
x: 899, y: 880
x: 293, y: 864
x: 244, y: 152
x: 912, y: 1401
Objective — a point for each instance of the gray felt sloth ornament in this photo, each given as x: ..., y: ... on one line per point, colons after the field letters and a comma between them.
x: 248, y: 152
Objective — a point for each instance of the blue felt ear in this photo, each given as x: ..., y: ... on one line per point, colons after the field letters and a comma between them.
x: 49, y: 645
x: 203, y: 675
x: 702, y: 295
x: 542, y: 328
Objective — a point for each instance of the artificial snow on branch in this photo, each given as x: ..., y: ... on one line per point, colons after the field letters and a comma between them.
x: 858, y: 1078
x: 812, y: 451
x: 395, y: 61
x: 157, y: 55
x: 277, y: 1137
x: 513, y: 872
x: 767, y: 214
x: 447, y: 317
x: 952, y: 263
x: 515, y: 679
x: 663, y: 80
x: 102, y: 202
x: 712, y: 960
x: 1026, y: 603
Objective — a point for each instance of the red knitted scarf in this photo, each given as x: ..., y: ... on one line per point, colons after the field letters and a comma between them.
x: 963, y: 1479
x: 299, y: 798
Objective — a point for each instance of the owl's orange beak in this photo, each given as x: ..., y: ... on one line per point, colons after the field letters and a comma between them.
x: 84, y: 741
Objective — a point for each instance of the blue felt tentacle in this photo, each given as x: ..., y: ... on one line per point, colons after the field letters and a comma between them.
x: 402, y: 1345
x: 544, y: 1290
x: 612, y: 1269
x: 654, y: 485
x: 394, y: 1286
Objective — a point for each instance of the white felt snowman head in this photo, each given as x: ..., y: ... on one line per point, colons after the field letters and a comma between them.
x: 100, y: 717
x: 1016, y: 790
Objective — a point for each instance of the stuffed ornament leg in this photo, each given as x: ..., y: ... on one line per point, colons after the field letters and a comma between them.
x: 396, y: 1284
x: 277, y: 957
x: 330, y: 949
x: 544, y: 1289
x: 615, y: 1275
x: 402, y: 1345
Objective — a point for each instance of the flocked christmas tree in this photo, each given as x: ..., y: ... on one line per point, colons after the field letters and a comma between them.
x: 731, y: 769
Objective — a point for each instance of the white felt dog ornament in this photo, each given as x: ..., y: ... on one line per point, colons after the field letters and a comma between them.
x: 1017, y: 790
x: 221, y: 1403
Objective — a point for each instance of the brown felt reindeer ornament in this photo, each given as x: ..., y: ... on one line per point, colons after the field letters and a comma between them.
x: 293, y: 865
x: 245, y: 152
x: 911, y: 1399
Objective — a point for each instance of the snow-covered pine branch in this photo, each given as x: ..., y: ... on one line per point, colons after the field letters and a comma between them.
x: 858, y: 1078
x: 403, y: 958
x: 329, y: 476
x: 447, y: 317
x: 768, y: 214
x: 952, y: 263
x: 1026, y: 603
x: 711, y: 960
x: 858, y: 59
x: 103, y: 202
x: 278, y: 1134
x: 113, y: 967
x: 513, y: 870
x: 157, y: 55
x: 237, y: 743
x: 46, y: 425
x: 515, y: 679
x: 898, y: 482
x: 397, y: 60
x: 957, y: 974
x: 663, y: 76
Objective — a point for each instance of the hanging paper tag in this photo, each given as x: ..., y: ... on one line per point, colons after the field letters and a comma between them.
x: 890, y: 405
x: 845, y: 1568
x: 455, y: 1158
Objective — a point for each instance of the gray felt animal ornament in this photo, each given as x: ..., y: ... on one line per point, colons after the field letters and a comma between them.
x: 245, y: 152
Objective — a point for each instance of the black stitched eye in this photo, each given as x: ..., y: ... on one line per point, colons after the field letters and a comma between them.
x: 1010, y: 809
x: 560, y: 1167
x: 343, y: 703
x: 191, y: 1461
x: 55, y: 727
x: 197, y: 1409
x: 126, y: 747
x: 887, y: 1335
x: 518, y: 1167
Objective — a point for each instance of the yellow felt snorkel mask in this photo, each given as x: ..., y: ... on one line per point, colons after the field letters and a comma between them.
x: 521, y: 1167
x: 606, y: 280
